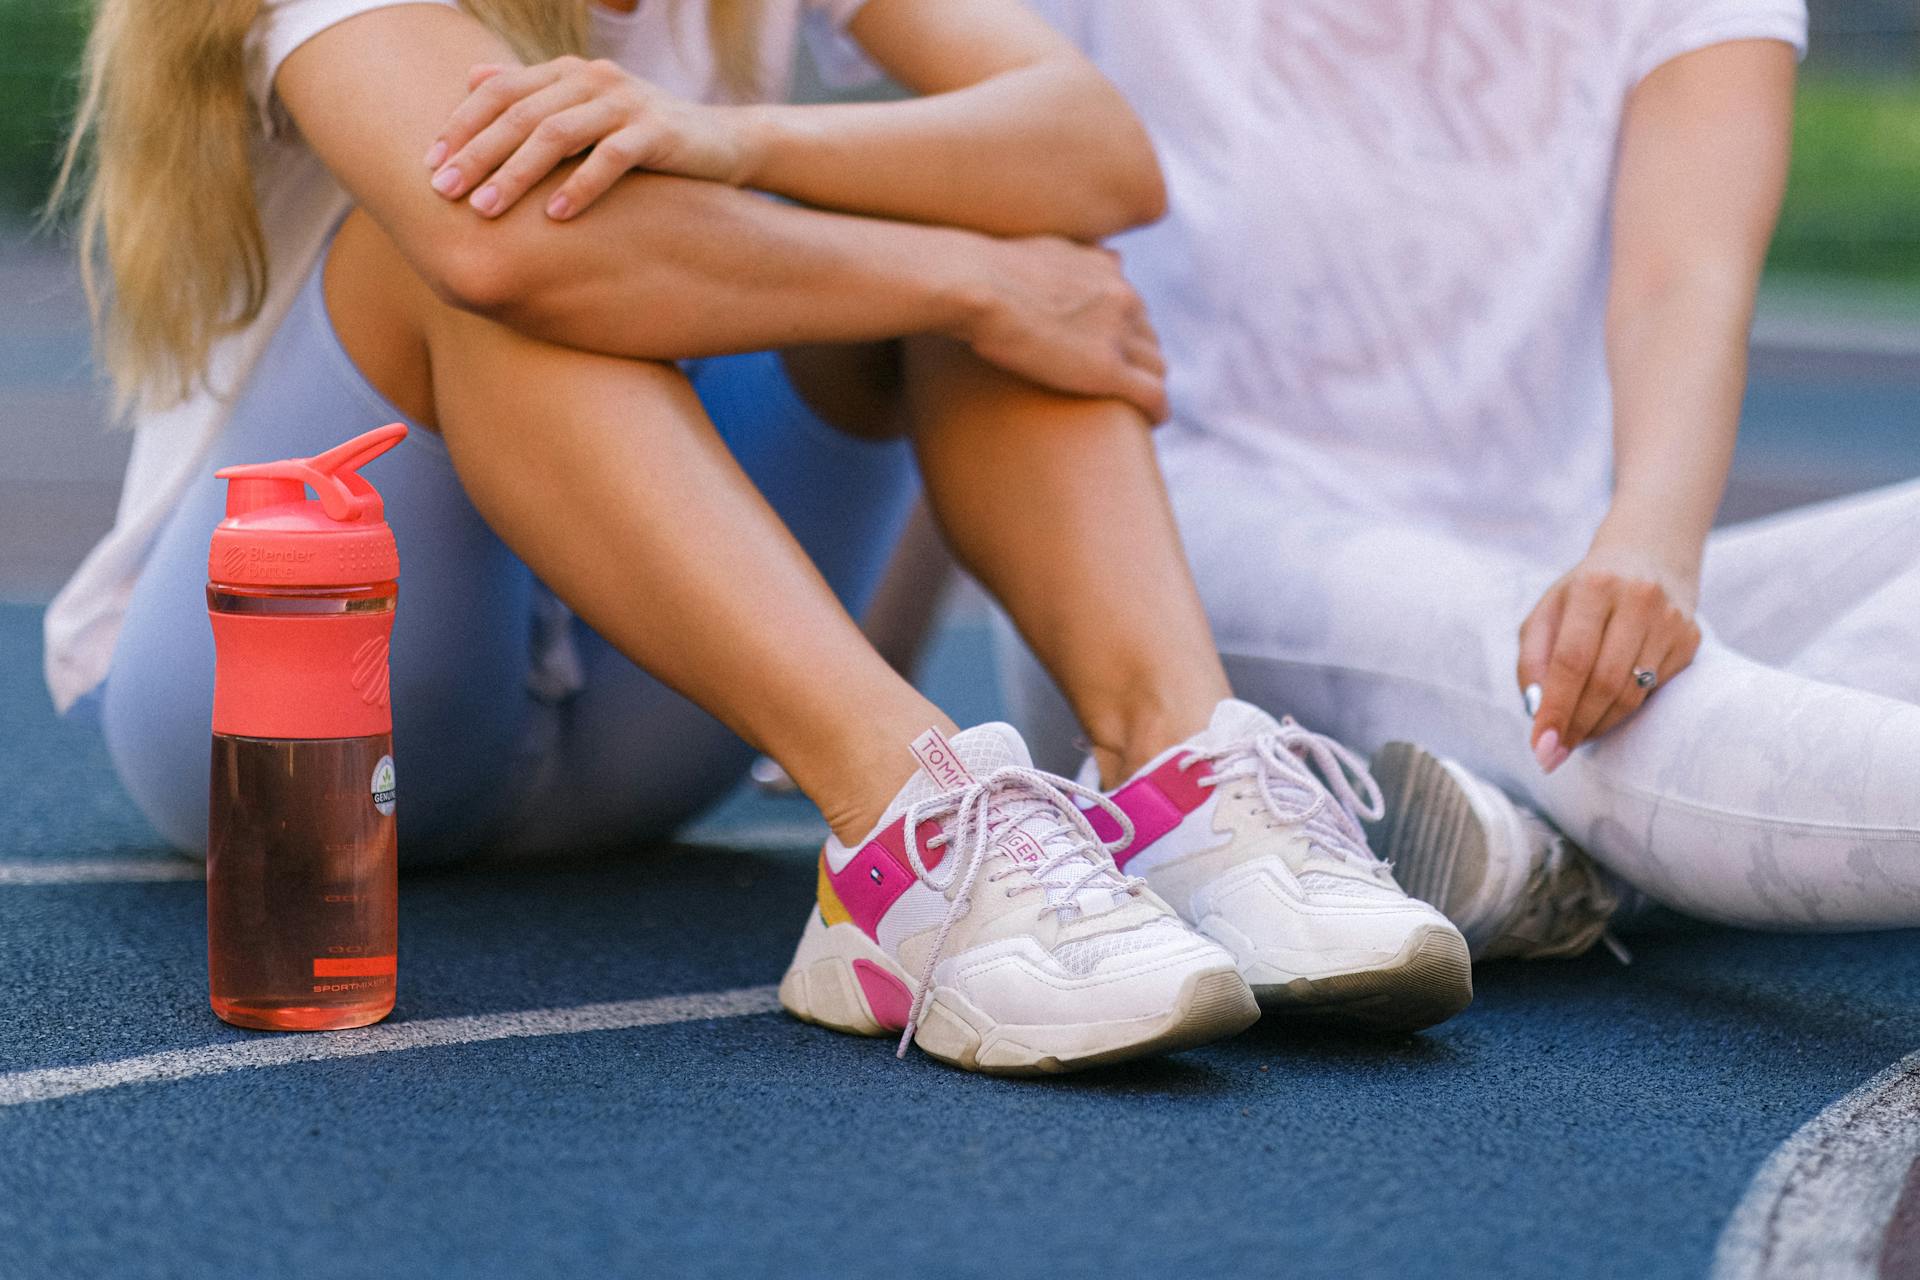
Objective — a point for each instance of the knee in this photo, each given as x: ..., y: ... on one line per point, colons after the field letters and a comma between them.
x: 158, y: 738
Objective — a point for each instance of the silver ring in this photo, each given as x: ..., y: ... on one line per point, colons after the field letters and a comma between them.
x: 1645, y: 677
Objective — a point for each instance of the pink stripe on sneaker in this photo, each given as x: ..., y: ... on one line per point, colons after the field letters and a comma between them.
x: 876, y: 875
x: 887, y: 997
x: 1156, y: 802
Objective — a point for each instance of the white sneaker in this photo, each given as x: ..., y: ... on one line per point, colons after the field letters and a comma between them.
x: 1507, y: 877
x: 1234, y: 829
x: 984, y: 921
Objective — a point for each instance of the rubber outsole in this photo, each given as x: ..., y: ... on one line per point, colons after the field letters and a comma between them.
x: 1213, y: 1004
x: 820, y: 987
x: 1427, y: 982
x: 1430, y: 833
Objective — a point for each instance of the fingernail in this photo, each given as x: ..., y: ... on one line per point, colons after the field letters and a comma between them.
x: 435, y: 154
x: 559, y: 207
x: 446, y: 181
x: 486, y: 198
x: 1546, y: 749
x: 1531, y: 696
x: 1559, y: 758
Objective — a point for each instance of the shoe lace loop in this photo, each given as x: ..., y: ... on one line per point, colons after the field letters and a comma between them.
x: 1305, y: 778
x: 979, y: 814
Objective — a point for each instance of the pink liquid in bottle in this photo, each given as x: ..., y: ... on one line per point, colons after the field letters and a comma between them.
x: 302, y: 862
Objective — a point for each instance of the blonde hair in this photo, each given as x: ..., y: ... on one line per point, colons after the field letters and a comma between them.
x: 159, y: 160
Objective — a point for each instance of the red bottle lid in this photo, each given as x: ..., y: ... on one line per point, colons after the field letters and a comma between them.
x: 276, y: 536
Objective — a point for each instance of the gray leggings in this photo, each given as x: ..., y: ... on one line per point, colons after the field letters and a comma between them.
x: 514, y: 724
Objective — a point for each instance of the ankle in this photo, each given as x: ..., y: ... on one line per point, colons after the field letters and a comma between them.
x: 853, y: 818
x: 1123, y: 744
x: 853, y: 783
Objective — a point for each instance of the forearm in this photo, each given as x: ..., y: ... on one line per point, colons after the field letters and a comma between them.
x: 1703, y: 158
x: 662, y: 267
x: 671, y: 268
x: 1044, y: 149
x: 1678, y: 357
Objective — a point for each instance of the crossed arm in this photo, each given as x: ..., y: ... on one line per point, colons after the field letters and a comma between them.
x: 672, y: 267
x: 1702, y: 167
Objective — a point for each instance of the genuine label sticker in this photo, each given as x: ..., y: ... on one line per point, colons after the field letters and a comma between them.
x: 382, y: 786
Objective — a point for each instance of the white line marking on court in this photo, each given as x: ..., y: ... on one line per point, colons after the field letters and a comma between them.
x: 1820, y: 1205
x: 31, y: 871
x: 771, y: 835
x: 101, y: 871
x: 282, y: 1050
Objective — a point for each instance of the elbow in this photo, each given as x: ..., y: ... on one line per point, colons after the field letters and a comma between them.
x: 477, y: 270
x: 1134, y: 190
x: 1147, y: 197
x: 1129, y: 193
x: 1713, y: 290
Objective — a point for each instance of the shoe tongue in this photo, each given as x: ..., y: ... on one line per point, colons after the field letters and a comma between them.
x: 1234, y: 722
x: 947, y: 764
x: 1024, y: 829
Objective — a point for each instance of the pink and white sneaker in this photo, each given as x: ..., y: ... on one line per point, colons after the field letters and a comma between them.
x: 1238, y: 833
x: 984, y: 921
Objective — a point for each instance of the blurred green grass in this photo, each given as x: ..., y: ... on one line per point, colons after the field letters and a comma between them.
x: 1852, y: 209
x: 1853, y: 199
x: 39, y: 48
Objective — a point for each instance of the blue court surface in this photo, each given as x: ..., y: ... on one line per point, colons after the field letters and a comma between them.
x: 587, y: 1076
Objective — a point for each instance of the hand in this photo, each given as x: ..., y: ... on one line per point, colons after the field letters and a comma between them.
x: 1618, y: 609
x: 1061, y: 314
x: 517, y: 124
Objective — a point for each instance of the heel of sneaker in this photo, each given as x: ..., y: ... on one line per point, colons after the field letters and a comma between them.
x: 841, y: 979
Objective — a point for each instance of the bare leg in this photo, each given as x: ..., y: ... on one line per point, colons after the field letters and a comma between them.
x: 606, y: 477
x: 1056, y: 504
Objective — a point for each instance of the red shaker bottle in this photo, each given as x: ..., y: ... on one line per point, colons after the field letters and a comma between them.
x: 302, y: 871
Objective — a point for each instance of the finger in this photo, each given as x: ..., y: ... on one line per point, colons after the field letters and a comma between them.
x: 1610, y: 684
x: 1142, y: 354
x: 1146, y: 392
x: 560, y: 135
x: 474, y: 165
x: 1681, y: 656
x: 484, y: 105
x: 1576, y: 646
x: 487, y: 96
x: 616, y: 153
x: 1658, y: 655
x: 1536, y: 645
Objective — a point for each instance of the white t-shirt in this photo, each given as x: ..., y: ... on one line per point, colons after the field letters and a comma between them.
x: 664, y: 41
x: 1381, y: 286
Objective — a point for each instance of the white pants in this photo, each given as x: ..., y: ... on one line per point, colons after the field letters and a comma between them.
x: 1775, y: 783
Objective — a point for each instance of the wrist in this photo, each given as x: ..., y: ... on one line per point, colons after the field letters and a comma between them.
x: 1673, y: 550
x: 757, y: 134
x: 963, y: 276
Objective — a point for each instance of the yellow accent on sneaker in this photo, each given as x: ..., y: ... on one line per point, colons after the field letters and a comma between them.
x: 832, y: 910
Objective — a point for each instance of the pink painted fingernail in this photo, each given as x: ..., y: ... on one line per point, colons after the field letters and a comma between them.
x: 1546, y: 748
x: 486, y: 198
x: 435, y: 154
x: 447, y: 181
x: 1559, y: 758
x: 559, y: 207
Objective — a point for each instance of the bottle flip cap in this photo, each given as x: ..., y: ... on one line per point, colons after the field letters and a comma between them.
x: 275, y: 535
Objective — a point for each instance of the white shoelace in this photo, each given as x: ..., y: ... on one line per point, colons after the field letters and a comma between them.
x: 982, y: 811
x: 1282, y: 765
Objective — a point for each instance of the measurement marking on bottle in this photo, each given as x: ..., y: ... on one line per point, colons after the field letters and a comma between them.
x: 353, y: 966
